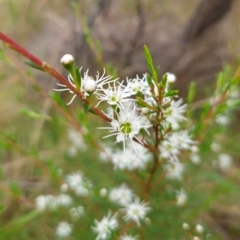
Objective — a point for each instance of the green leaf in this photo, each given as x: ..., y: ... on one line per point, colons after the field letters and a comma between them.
x: 191, y: 92
x: 57, y: 98
x: 33, y: 65
x: 25, y: 218
x: 85, y: 106
x: 149, y: 59
x: 33, y: 114
x: 78, y: 77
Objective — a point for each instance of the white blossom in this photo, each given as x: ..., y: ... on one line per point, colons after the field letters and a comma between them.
x: 63, y: 200
x: 186, y: 226
x: 49, y: 202
x: 126, y: 126
x: 169, y: 150
x: 63, y: 229
x: 78, y: 183
x: 136, y: 211
x: 171, y: 78
x: 173, y: 112
x: 66, y: 59
x: 137, y: 85
x: 103, y: 192
x: 195, y: 158
x: 199, y: 228
x: 216, y: 147
x: 121, y: 195
x: 113, y: 95
x: 77, y: 212
x: 105, y: 227
x: 128, y: 237
x: 132, y: 158
x: 174, y: 170
x: 223, y: 120
x: 87, y: 85
x: 43, y: 202
x: 181, y: 197
x: 196, y: 238
x: 174, y: 142
x: 77, y: 141
x: 224, y: 161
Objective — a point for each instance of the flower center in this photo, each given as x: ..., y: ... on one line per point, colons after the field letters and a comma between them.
x: 126, y: 127
x: 114, y: 98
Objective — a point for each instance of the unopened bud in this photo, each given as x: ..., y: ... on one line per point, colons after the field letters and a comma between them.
x: 144, y: 110
x: 199, y: 228
x: 89, y: 85
x: 186, y: 226
x: 103, y: 192
x: 67, y: 59
x: 171, y: 78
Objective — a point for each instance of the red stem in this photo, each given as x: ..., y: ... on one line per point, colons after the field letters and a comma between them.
x: 10, y: 43
x: 53, y: 72
x: 50, y: 70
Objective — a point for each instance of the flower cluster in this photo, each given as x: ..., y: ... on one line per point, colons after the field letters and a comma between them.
x: 136, y: 104
x: 146, y: 117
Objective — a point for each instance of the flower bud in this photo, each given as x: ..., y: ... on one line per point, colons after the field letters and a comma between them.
x: 145, y: 110
x: 199, y: 228
x: 186, y: 226
x: 171, y: 78
x: 103, y: 192
x: 67, y: 59
x: 89, y: 85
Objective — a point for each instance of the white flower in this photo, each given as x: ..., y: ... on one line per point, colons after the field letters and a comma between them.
x: 63, y: 229
x: 169, y: 150
x: 174, y: 170
x: 174, y: 113
x: 103, y: 192
x: 87, y: 84
x: 196, y: 238
x: 182, y: 139
x: 171, y: 78
x: 136, y: 211
x: 105, y: 227
x: 224, y: 161
x: 43, y: 202
x: 222, y: 120
x: 132, y: 158
x: 76, y: 212
x: 194, y: 149
x: 64, y: 187
x: 216, y: 147
x: 63, y: 200
x: 126, y: 126
x: 128, y: 237
x: 185, y: 226
x: 114, y: 96
x: 121, y: 195
x: 199, y: 228
x: 174, y: 142
x: 77, y: 141
x: 137, y: 85
x: 77, y: 182
x: 181, y: 197
x: 195, y: 158
x: 105, y: 154
x: 66, y: 59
